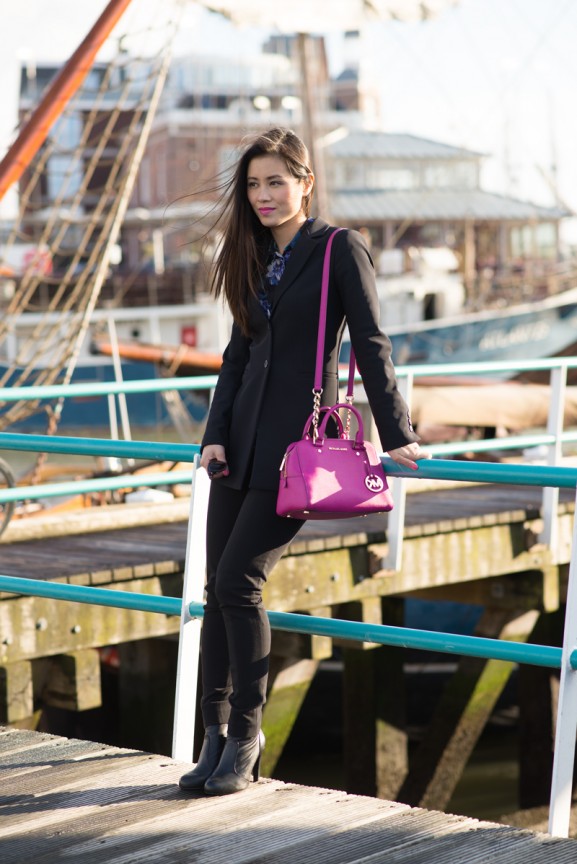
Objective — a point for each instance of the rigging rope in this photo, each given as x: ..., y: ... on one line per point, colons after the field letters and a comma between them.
x: 79, y: 222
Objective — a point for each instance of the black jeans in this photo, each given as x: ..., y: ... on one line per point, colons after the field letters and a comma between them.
x: 245, y: 539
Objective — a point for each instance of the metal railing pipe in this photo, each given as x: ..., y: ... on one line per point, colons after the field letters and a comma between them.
x: 440, y: 469
x: 407, y: 637
x: 105, y: 388
x: 157, y: 450
x: 89, y: 594
x: 98, y: 484
x: 486, y: 472
x: 380, y: 634
x: 206, y: 382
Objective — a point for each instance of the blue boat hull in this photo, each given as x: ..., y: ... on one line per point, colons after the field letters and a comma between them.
x: 89, y: 412
x: 528, y: 332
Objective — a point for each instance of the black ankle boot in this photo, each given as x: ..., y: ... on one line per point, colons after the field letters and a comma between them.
x: 208, y: 760
x: 240, y: 760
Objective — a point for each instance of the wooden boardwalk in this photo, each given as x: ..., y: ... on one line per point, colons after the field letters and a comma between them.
x: 469, y: 544
x: 147, y: 550
x: 64, y: 800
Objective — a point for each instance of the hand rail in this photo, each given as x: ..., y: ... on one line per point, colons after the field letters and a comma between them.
x: 207, y: 382
x: 190, y: 608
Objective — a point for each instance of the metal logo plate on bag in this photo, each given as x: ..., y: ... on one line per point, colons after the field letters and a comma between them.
x: 374, y: 483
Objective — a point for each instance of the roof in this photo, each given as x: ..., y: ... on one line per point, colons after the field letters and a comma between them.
x: 364, y: 143
x: 376, y: 205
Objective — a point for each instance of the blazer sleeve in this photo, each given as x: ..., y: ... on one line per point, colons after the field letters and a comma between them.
x: 234, y: 361
x: 354, y: 276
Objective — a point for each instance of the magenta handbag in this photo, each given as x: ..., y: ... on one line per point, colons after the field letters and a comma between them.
x: 331, y: 478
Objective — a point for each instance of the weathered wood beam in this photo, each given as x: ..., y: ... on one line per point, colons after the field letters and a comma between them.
x: 289, y: 684
x: 442, y: 558
x: 368, y: 610
x: 146, y: 686
x: 530, y: 590
x: 461, y: 714
x: 375, y: 737
x: 359, y: 710
x: 74, y: 681
x: 16, y: 692
x: 538, y: 690
x: 392, y: 740
x: 33, y: 627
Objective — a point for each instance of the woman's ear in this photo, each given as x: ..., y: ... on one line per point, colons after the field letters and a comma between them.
x: 308, y: 184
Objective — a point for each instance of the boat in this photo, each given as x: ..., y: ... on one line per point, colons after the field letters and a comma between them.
x: 429, y: 319
x: 74, y: 295
x: 63, y: 283
x: 526, y: 331
x: 175, y: 360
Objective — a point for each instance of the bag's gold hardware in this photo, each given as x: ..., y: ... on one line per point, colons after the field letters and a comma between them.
x: 316, y: 413
x: 349, y: 400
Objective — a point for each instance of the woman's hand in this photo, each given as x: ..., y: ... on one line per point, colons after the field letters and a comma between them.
x: 210, y: 452
x: 407, y: 454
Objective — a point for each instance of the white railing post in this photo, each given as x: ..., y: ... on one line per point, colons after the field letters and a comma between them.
x: 550, y: 500
x: 564, y: 758
x: 396, y: 518
x: 189, y: 641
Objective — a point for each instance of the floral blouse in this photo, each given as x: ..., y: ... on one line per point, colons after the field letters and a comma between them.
x: 275, y: 268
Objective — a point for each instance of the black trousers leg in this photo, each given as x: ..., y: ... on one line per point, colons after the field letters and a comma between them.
x: 245, y: 539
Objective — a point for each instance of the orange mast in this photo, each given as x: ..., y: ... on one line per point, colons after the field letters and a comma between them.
x: 57, y: 95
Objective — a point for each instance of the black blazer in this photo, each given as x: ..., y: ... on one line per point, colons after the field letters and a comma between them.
x: 264, y: 392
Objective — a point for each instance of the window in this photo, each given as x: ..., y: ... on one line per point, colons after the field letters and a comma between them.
x: 389, y: 178
x: 455, y: 175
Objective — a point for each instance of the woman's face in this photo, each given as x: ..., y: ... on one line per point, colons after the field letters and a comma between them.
x: 277, y: 197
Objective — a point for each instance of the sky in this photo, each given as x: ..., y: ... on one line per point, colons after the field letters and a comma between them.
x: 495, y: 76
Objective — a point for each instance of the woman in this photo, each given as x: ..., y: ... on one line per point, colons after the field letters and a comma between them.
x: 269, y: 270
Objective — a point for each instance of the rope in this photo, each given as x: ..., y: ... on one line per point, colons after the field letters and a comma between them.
x: 66, y: 302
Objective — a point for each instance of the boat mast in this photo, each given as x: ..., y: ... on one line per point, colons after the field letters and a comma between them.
x: 57, y: 95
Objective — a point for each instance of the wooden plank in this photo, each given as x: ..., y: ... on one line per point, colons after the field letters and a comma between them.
x: 289, y: 682
x: 74, y: 681
x: 16, y: 692
x: 75, y: 555
x: 13, y: 740
x: 428, y: 513
x: 117, y: 806
x: 461, y: 714
x: 68, y: 769
x: 77, y: 626
x: 37, y: 758
x: 96, y: 519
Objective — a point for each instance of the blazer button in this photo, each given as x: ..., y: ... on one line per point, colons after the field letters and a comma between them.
x: 265, y: 364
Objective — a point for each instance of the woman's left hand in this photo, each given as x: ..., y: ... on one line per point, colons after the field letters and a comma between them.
x: 407, y: 455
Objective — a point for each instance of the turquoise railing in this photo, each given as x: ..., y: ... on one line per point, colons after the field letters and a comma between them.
x: 554, y: 438
x: 190, y: 606
x: 207, y: 382
x: 380, y: 634
x: 525, y: 475
x: 551, y: 477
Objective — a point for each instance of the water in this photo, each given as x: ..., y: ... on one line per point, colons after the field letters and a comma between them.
x: 488, y: 788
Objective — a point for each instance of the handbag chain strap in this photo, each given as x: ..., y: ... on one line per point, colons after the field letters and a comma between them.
x: 318, y: 388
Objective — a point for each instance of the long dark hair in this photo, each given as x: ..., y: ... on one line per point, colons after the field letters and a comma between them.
x: 240, y: 260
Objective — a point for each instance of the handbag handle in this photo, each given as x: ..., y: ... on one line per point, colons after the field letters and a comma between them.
x: 359, y: 437
x: 337, y: 419
x: 318, y: 382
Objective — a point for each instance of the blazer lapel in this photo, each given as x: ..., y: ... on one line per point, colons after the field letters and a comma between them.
x: 298, y: 258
